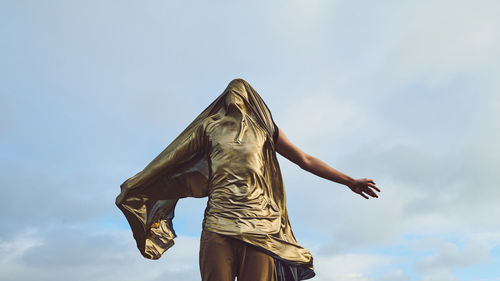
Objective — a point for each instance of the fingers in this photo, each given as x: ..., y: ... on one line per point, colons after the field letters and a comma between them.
x: 369, y: 192
x: 371, y: 183
x: 372, y: 193
x: 368, y: 180
x: 366, y: 186
x: 374, y: 187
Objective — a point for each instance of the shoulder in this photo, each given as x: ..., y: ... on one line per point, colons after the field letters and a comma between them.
x: 276, y: 132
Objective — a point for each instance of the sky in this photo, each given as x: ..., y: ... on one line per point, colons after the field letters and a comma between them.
x: 402, y: 92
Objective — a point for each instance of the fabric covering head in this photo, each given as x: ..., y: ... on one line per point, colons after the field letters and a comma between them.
x: 228, y: 154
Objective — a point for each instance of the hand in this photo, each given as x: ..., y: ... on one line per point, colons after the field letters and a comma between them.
x: 364, y: 185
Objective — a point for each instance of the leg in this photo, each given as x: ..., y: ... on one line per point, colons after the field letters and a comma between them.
x: 255, y: 265
x: 217, y: 257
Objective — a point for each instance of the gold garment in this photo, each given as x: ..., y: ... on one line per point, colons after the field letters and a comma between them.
x: 228, y: 154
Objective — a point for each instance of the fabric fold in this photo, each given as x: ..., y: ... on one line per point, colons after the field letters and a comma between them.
x: 228, y: 154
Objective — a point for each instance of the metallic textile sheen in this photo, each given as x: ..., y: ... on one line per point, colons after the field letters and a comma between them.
x: 228, y: 154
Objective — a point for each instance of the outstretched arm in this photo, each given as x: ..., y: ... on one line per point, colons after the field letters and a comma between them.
x: 321, y: 169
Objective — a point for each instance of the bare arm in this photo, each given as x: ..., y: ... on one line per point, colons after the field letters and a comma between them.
x: 321, y: 169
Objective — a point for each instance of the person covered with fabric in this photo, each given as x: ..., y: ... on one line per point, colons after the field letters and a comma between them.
x: 228, y: 153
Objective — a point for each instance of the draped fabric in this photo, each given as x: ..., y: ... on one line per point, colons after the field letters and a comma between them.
x: 228, y: 154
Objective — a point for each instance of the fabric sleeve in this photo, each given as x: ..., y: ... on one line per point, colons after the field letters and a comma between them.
x: 184, y: 148
x: 276, y: 133
x: 181, y: 170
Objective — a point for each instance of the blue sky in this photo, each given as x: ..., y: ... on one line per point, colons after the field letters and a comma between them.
x: 403, y: 92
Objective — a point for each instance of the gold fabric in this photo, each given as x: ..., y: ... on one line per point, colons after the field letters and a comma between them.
x: 222, y: 258
x: 228, y: 154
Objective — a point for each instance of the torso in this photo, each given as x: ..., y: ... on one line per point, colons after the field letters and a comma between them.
x: 239, y: 199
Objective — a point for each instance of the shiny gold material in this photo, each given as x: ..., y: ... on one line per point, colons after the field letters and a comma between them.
x: 228, y: 154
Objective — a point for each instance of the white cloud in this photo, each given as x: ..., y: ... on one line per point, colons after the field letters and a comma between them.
x: 84, y: 255
x: 348, y: 267
x: 440, y: 265
x: 404, y: 93
x: 395, y: 275
x: 322, y: 119
x: 442, y: 38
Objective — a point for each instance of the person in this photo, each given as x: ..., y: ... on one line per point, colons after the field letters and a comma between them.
x: 228, y: 154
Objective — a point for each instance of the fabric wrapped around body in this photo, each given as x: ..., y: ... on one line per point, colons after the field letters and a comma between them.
x: 228, y: 154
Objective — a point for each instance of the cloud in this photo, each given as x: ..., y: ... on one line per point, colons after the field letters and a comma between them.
x: 83, y: 255
x: 445, y: 39
x: 440, y: 265
x: 403, y: 93
x: 320, y: 122
x: 37, y: 198
x: 395, y: 275
x: 348, y: 267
